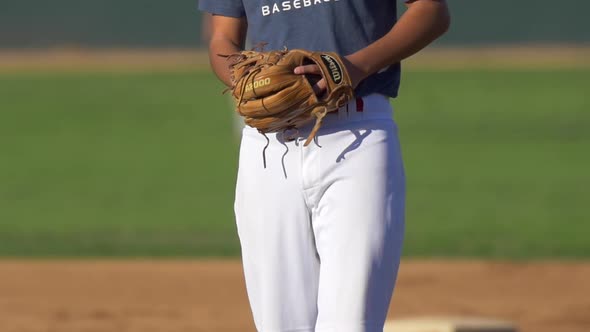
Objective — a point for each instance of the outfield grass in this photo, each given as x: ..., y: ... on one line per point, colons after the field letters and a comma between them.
x: 137, y: 164
x: 498, y: 163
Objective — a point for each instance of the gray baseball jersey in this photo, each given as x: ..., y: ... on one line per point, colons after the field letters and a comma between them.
x: 342, y: 26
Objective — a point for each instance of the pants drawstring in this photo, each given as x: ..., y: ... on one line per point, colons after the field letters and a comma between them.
x: 264, y: 150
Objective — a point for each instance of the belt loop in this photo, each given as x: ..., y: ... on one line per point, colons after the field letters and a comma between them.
x: 360, y: 104
x: 343, y: 112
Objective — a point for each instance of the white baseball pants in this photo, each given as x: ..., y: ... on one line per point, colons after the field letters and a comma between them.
x: 321, y: 227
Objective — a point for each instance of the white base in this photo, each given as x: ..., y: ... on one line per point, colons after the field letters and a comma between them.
x: 448, y: 324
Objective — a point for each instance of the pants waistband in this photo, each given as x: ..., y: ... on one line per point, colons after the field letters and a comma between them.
x: 371, y: 107
x: 374, y: 106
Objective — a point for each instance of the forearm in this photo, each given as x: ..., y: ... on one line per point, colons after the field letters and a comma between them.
x: 421, y: 24
x: 228, y: 35
x: 221, y: 64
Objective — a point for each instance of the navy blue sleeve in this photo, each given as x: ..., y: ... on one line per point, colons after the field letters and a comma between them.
x: 232, y: 8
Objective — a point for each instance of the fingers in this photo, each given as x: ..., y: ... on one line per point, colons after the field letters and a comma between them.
x: 308, y: 69
x: 320, y: 87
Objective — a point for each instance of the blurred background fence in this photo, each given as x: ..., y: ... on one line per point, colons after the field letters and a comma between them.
x: 157, y: 23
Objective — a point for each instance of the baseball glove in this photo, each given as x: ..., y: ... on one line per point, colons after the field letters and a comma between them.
x: 272, y: 98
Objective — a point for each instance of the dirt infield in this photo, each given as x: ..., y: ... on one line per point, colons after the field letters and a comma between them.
x: 179, y: 296
x: 530, y: 56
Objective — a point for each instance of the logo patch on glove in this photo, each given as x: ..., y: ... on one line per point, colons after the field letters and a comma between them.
x: 334, y: 66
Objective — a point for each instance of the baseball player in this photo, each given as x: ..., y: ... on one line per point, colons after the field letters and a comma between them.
x: 321, y: 225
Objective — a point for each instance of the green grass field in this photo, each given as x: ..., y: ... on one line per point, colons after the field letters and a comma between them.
x: 143, y: 164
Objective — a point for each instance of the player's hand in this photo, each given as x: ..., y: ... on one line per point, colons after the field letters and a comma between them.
x: 354, y: 71
x: 320, y: 86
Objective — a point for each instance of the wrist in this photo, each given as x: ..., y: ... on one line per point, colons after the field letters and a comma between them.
x: 358, y: 68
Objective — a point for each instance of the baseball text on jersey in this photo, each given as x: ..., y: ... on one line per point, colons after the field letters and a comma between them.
x: 284, y: 6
